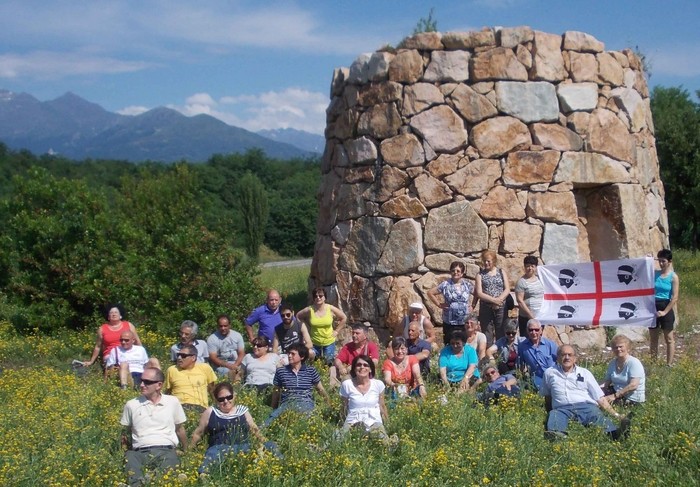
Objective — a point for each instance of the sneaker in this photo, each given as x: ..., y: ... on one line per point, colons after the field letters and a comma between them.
x: 554, y: 435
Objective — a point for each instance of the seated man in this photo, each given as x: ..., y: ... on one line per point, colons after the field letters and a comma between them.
x: 418, y: 347
x: 153, y: 424
x: 572, y: 393
x: 188, y: 336
x: 226, y: 349
x: 425, y: 326
x: 359, y: 345
x: 190, y: 381
x: 294, y: 385
x: 289, y: 332
x: 537, y: 353
x: 129, y: 360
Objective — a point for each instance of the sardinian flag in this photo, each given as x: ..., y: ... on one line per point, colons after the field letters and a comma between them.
x: 607, y: 293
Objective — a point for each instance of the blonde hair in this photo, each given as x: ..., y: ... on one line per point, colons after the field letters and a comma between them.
x: 618, y: 339
x: 489, y: 254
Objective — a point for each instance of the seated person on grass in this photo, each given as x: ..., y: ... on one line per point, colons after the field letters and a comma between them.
x: 360, y: 345
x: 190, y: 381
x: 128, y: 361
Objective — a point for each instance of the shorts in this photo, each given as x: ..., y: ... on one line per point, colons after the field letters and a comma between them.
x: 666, y: 322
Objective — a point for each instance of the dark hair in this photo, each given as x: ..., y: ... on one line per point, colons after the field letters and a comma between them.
x: 665, y: 254
x: 459, y: 335
x: 223, y: 315
x: 191, y: 349
x: 221, y: 386
x: 159, y: 376
x: 530, y: 260
x: 319, y: 290
x: 358, y: 326
x: 300, y: 349
x: 398, y: 342
x: 114, y: 305
x: 367, y: 359
x: 261, y: 340
x: 456, y: 264
x: 286, y: 307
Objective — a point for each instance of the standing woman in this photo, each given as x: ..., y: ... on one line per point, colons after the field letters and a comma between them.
x: 492, y: 289
x: 529, y: 293
x: 455, y: 293
x: 319, y: 318
x: 666, y: 297
x: 109, y: 334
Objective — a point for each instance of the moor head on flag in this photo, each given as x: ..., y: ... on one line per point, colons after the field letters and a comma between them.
x: 567, y: 278
x: 626, y: 274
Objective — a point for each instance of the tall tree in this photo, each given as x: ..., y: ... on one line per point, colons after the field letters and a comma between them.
x: 677, y: 124
x: 254, y: 209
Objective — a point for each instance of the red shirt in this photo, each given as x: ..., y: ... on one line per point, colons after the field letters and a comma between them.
x: 349, y: 351
x: 110, y: 339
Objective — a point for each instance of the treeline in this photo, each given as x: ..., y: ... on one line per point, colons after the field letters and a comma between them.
x: 163, y: 240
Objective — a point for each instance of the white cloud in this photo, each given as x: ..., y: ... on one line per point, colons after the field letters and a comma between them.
x: 133, y: 110
x: 676, y: 60
x: 50, y: 64
x: 291, y: 108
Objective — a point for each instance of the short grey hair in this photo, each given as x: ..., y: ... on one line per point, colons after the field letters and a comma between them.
x: 511, y: 326
x: 190, y: 324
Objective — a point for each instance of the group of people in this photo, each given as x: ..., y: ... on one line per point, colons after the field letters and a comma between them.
x: 286, y: 341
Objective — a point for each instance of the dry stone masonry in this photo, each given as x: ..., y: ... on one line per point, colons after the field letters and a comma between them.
x: 509, y: 139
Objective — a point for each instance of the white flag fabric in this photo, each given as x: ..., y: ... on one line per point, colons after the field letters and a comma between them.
x: 607, y: 293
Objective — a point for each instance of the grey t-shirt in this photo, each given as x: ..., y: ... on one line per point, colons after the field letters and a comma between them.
x: 257, y: 371
x: 226, y: 347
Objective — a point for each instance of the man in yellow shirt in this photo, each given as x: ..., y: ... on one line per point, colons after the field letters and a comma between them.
x: 190, y: 381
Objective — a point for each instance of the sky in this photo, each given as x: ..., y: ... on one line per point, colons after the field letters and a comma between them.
x: 268, y: 64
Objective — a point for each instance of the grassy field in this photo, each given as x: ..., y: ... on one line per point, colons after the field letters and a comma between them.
x: 61, y: 429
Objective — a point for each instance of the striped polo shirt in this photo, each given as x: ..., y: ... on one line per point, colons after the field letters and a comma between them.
x: 299, y: 386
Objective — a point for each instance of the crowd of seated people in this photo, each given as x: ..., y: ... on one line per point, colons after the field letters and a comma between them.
x: 205, y: 375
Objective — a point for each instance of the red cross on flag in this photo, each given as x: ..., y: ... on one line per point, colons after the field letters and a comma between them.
x: 607, y: 293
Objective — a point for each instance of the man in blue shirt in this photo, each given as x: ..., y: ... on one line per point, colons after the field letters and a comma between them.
x: 266, y: 316
x: 537, y: 353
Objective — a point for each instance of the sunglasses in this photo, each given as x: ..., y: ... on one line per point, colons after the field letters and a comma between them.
x: 125, y: 339
x: 185, y: 355
x: 259, y: 345
x: 319, y: 296
x: 225, y: 398
x: 534, y: 329
x: 287, y: 315
x: 491, y: 372
x: 511, y: 333
x: 359, y: 365
x: 149, y: 382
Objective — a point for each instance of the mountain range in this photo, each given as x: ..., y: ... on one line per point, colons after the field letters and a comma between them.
x: 78, y: 129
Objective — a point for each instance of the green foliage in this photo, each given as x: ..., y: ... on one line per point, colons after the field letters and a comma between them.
x: 426, y: 24
x: 677, y: 123
x: 254, y: 209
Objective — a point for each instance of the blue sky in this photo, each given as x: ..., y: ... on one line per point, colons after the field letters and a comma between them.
x: 265, y: 65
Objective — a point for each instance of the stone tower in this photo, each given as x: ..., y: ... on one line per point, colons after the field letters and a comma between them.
x: 519, y: 141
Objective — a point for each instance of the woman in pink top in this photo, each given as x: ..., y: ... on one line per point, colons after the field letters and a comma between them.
x: 108, y: 334
x: 402, y: 372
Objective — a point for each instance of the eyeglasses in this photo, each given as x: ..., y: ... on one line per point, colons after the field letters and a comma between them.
x: 225, y: 398
x: 185, y: 355
x: 511, y: 333
x: 259, y: 345
x: 147, y: 382
x: 125, y: 339
x: 491, y: 372
x: 319, y: 295
x: 534, y: 329
x: 287, y: 315
x: 359, y: 365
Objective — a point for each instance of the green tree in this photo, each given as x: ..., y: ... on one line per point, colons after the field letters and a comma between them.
x: 254, y: 209
x: 677, y: 124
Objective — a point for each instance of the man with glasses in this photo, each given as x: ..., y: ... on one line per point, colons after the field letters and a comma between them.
x: 153, y: 423
x: 128, y: 360
x: 537, y: 353
x: 190, y: 381
x: 266, y: 316
x: 572, y: 393
x: 499, y: 385
x: 226, y: 348
x: 291, y: 331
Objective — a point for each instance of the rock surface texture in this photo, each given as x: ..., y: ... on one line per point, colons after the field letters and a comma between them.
x: 510, y: 139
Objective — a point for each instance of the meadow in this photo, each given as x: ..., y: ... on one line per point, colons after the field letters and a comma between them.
x: 59, y: 428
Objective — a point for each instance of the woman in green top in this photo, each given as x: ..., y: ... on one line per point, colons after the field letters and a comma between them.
x: 319, y: 317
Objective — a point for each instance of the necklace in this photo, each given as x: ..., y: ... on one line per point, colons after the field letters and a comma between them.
x: 618, y: 367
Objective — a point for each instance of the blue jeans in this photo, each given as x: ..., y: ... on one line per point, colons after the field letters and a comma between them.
x: 326, y: 352
x: 301, y: 406
x: 585, y: 413
x: 215, y: 454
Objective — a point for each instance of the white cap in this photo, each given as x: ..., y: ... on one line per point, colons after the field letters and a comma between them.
x: 416, y: 305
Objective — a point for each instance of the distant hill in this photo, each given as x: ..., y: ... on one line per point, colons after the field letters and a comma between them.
x: 298, y: 138
x: 78, y: 129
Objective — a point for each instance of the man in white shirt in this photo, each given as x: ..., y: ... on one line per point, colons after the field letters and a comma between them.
x: 572, y: 393
x: 154, y: 423
x: 129, y: 360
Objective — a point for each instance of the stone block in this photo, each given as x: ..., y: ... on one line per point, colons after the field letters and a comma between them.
x: 455, y: 227
x: 529, y: 102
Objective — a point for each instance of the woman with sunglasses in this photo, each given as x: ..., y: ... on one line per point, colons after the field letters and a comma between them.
x: 258, y: 367
x: 228, y: 427
x: 505, y: 350
x: 320, y: 317
x: 363, y: 398
x: 402, y: 372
